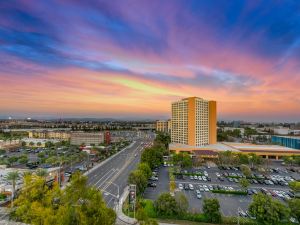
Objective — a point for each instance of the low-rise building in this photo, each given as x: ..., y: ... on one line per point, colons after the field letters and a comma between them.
x: 49, y: 134
x: 87, y: 138
x: 38, y: 142
x: 287, y: 141
x: 212, y: 150
x: 9, y: 144
x: 161, y: 126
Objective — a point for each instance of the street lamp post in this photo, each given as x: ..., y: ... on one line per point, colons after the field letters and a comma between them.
x: 238, y: 214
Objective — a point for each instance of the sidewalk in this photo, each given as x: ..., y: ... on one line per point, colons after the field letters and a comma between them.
x: 122, y: 219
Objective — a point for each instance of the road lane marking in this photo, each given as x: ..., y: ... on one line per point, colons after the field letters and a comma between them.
x: 107, y: 173
x: 108, y: 177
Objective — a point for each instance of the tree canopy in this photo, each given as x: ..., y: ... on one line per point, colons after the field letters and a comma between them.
x: 268, y: 211
x: 211, y: 210
x: 166, y: 205
x: 76, y: 204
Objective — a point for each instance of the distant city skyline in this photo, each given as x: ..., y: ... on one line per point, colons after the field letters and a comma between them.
x: 120, y: 59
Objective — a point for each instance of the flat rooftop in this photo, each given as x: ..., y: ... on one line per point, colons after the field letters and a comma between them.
x: 292, y: 137
x: 234, y: 147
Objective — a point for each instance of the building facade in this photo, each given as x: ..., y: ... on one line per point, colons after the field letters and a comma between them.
x: 79, y: 138
x: 163, y: 126
x: 194, y: 122
x: 287, y: 141
x: 48, y: 134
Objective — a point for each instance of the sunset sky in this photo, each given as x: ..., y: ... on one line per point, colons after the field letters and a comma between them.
x: 132, y: 58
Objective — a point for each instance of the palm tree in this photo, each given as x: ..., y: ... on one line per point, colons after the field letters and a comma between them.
x: 12, y: 177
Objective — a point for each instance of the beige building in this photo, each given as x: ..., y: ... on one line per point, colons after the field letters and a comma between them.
x: 194, y: 122
x: 78, y: 138
x: 163, y: 126
x: 46, y: 134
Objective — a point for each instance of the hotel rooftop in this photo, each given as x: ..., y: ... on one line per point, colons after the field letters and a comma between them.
x: 266, y: 151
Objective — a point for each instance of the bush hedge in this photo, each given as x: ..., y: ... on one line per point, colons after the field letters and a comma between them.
x: 250, y: 178
x: 230, y: 192
x: 188, y: 174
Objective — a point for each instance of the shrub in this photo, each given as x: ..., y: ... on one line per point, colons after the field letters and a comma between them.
x: 230, y: 192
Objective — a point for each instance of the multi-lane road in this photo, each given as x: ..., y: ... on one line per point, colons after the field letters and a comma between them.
x: 111, y: 177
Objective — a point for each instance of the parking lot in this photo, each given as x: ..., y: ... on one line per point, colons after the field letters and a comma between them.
x: 274, y: 183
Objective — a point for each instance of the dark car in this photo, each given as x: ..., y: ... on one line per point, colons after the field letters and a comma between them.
x: 186, y: 187
x: 152, y: 184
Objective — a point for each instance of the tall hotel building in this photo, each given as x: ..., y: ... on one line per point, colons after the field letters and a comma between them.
x: 194, y: 122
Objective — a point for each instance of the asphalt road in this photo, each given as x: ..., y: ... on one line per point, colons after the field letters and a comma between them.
x: 111, y: 177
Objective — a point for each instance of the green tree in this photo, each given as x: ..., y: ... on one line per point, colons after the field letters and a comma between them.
x: 268, y: 211
x: 23, y: 143
x: 31, y: 144
x: 294, y: 205
x: 236, y: 133
x: 39, y: 144
x: 41, y: 155
x: 182, y: 202
x: 12, y: 159
x: 211, y: 210
x: 12, y: 177
x: 166, y: 205
x: 163, y: 138
x: 244, y: 183
x: 243, y: 158
x: 184, y: 160
x: 41, y: 173
x: 138, y: 178
x: 153, y: 156
x: 295, y: 186
x: 246, y: 170
x: 145, y: 168
x: 143, y: 218
x: 23, y: 159
x: 78, y: 203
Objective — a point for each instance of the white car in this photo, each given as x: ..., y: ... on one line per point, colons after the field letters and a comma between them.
x: 199, y: 178
x: 195, y: 177
x: 180, y: 186
x: 191, y: 187
x: 191, y: 177
x: 199, y: 196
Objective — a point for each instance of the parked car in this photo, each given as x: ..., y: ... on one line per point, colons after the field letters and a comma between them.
x: 180, y: 186
x: 151, y: 184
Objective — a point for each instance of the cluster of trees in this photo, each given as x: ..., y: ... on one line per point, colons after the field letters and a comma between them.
x: 228, y: 135
x: 292, y: 160
x: 12, y: 135
x: 22, y: 159
x: 167, y: 206
x: 228, y: 158
x: 183, y: 160
x: 140, y: 177
x: 265, y: 209
x: 163, y: 138
x: 76, y: 204
x: 268, y: 211
x: 153, y: 156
